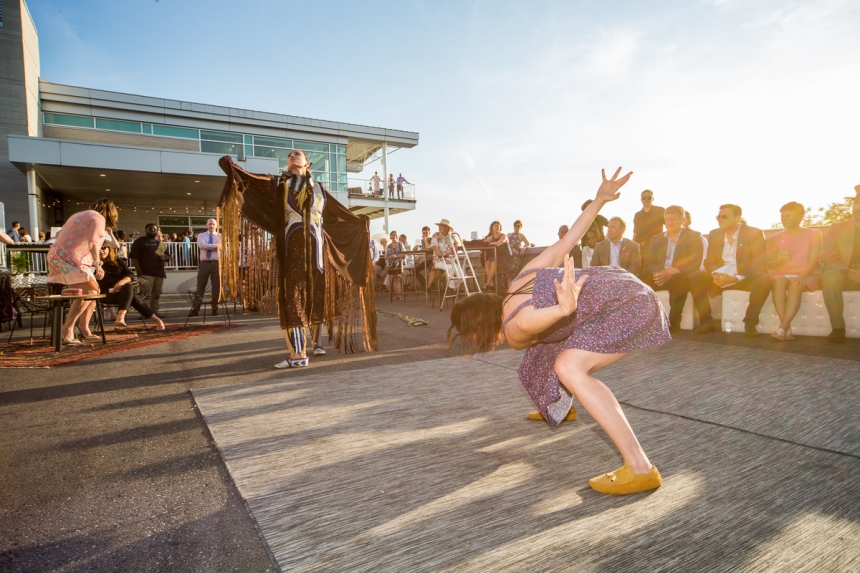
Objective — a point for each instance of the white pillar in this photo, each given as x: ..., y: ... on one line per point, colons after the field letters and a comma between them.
x: 385, y: 182
x: 33, y: 197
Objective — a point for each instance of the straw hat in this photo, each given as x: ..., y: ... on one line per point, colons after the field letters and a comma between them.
x: 445, y: 222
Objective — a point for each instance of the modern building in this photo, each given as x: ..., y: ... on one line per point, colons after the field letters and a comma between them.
x: 61, y: 147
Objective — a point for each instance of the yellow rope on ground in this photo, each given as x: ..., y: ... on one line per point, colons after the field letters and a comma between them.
x: 410, y: 320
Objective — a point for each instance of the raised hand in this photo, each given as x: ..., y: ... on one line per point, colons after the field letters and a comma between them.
x: 567, y: 291
x: 609, y: 189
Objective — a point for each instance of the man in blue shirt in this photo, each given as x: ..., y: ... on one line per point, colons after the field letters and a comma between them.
x: 400, y: 181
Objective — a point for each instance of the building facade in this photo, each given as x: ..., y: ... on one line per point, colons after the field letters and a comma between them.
x: 62, y: 147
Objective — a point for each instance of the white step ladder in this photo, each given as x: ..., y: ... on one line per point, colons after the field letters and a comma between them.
x: 461, y: 273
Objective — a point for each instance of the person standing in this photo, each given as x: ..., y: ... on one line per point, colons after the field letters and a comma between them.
x: 148, y: 255
x: 209, y: 243
x: 647, y: 223
x: 74, y: 261
x: 25, y: 236
x: 400, y: 181
x: 376, y: 181
x: 13, y: 232
x: 736, y: 260
x: 391, y: 185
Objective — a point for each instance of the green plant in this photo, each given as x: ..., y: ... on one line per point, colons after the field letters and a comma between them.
x: 833, y: 213
x: 19, y: 262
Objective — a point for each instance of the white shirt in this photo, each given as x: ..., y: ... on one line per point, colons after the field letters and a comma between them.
x: 208, y: 244
x: 587, y: 253
x: 730, y: 256
x: 615, y: 253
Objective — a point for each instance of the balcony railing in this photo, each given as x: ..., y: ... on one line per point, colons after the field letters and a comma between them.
x: 364, y: 188
x: 183, y: 256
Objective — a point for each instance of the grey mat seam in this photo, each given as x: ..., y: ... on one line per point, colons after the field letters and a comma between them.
x: 717, y: 424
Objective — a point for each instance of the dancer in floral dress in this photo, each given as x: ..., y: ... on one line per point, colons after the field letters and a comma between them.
x: 573, y: 323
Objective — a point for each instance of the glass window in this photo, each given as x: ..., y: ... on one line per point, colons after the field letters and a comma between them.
x: 117, y: 125
x: 73, y: 120
x: 196, y: 221
x: 147, y: 128
x: 341, y: 163
x: 319, y: 160
x: 281, y: 154
x: 221, y: 136
x: 320, y: 177
x: 273, y: 142
x: 167, y: 220
x: 248, y: 140
x: 249, y: 150
x: 219, y: 147
x: 341, y: 149
x: 168, y: 131
x: 342, y: 179
x: 307, y: 146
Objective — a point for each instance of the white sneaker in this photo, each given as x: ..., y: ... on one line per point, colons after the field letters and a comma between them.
x: 319, y: 350
x: 284, y: 364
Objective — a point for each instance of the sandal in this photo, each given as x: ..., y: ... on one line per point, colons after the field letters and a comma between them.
x: 538, y: 416
x: 119, y: 325
x: 788, y: 334
x: 71, y: 341
x: 623, y: 481
x: 779, y: 334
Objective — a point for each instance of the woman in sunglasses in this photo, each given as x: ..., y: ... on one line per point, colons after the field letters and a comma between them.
x: 116, y: 284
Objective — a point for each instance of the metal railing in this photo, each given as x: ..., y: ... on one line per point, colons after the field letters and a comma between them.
x: 364, y: 188
x: 183, y: 256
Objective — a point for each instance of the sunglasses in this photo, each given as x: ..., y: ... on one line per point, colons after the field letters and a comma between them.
x: 646, y: 198
x: 105, y: 249
x: 723, y: 217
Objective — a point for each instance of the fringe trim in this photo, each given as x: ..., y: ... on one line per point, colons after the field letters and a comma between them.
x: 354, y: 306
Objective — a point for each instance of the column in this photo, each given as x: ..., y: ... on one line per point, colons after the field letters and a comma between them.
x: 33, y: 203
x: 385, y: 182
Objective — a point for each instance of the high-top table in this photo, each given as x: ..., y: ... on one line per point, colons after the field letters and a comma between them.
x: 57, y: 301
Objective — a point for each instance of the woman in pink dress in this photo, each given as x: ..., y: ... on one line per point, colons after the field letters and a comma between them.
x: 793, y: 264
x: 73, y: 260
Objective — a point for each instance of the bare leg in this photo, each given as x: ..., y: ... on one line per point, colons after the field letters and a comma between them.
x: 86, y: 315
x: 779, y: 286
x: 792, y: 305
x: 574, y: 368
x: 490, y: 270
x: 76, y: 309
x: 120, y: 318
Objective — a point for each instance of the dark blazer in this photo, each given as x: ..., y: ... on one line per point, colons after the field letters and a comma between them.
x: 838, y: 245
x: 752, y: 251
x: 629, y: 258
x: 688, y: 252
x: 576, y: 255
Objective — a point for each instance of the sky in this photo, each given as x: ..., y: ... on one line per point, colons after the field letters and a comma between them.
x: 518, y: 105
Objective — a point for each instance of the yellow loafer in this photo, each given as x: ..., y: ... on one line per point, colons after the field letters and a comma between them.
x: 623, y: 481
x: 537, y: 415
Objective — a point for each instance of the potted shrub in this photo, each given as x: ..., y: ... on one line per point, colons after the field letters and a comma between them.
x: 19, y: 263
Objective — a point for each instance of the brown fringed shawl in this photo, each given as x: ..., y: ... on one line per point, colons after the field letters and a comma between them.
x: 252, y: 210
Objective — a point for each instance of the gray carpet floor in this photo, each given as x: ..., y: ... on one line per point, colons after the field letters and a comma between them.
x: 432, y: 466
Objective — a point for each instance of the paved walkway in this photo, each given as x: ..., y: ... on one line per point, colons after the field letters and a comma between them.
x: 107, y: 464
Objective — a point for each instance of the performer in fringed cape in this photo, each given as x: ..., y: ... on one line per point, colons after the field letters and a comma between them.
x: 316, y: 267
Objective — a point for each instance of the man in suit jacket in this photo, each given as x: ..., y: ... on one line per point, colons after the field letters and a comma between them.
x: 736, y: 260
x: 616, y: 251
x: 840, y: 256
x: 672, y: 258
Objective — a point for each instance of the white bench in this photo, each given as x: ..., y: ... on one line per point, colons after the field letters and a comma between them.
x: 811, y: 320
x: 687, y: 317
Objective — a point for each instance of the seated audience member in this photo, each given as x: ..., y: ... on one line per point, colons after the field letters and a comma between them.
x: 688, y: 221
x: 576, y: 252
x: 672, y: 258
x: 736, y: 260
x: 444, y: 251
x: 599, y: 225
x: 517, y: 240
x: 424, y: 244
x: 495, y: 238
x: 116, y: 284
x: 589, y: 241
x: 793, y: 262
x: 840, y: 257
x: 616, y: 251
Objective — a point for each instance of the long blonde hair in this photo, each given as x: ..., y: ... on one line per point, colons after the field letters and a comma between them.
x: 106, y: 208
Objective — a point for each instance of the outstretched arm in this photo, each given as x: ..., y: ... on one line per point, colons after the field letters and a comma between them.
x: 608, y: 191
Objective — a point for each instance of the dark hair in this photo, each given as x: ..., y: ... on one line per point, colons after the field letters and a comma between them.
x: 477, y: 320
x: 491, y: 227
x: 120, y: 235
x: 425, y: 228
x: 111, y: 257
x: 106, y: 208
x: 15, y: 223
x: 148, y: 225
x: 737, y: 211
x: 794, y: 206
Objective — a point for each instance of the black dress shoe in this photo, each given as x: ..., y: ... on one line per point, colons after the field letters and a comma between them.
x: 214, y: 312
x: 704, y: 328
x: 675, y: 328
x: 192, y: 313
x: 750, y: 331
x: 836, y: 336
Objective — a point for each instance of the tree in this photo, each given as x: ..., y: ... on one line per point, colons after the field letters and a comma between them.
x: 833, y: 213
